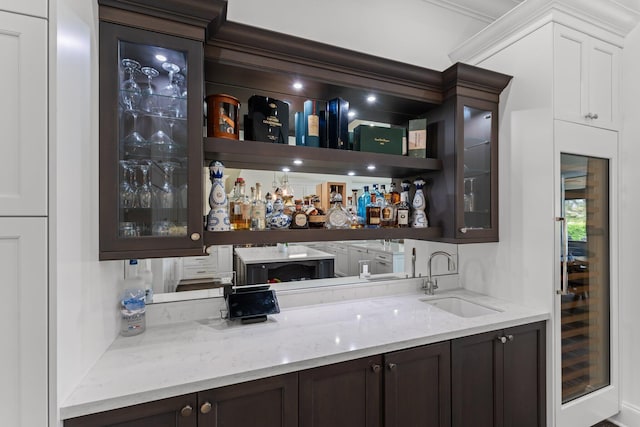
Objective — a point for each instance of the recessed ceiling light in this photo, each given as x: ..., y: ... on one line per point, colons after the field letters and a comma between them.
x: 285, y: 169
x: 371, y: 167
x: 297, y: 162
x: 371, y: 98
x: 351, y: 113
x: 297, y: 85
x: 351, y: 173
x: 161, y: 58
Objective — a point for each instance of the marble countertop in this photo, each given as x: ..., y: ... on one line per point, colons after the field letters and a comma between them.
x: 259, y: 255
x: 187, y: 357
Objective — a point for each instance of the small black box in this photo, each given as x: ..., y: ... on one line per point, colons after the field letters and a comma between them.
x: 267, y: 121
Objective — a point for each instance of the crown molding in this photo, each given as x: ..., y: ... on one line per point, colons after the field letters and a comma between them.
x: 607, y: 20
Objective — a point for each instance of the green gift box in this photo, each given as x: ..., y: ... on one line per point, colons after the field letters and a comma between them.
x: 376, y: 139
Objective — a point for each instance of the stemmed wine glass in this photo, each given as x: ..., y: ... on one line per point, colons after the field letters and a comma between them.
x: 143, y: 191
x: 164, y: 194
x: 169, y: 104
x: 127, y: 193
x: 130, y: 92
x: 130, y: 97
x: 148, y: 94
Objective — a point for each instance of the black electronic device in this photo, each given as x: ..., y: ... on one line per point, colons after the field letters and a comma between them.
x: 252, y: 306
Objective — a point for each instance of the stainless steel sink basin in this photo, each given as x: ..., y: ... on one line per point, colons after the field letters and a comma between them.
x: 460, y: 307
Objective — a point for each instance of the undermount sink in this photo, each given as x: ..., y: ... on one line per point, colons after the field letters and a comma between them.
x: 460, y: 307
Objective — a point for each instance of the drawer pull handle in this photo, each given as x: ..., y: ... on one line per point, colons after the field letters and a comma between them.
x: 375, y: 368
x: 186, y: 411
x: 502, y: 339
x: 392, y: 366
x: 510, y: 337
x: 195, y: 236
x: 205, y: 408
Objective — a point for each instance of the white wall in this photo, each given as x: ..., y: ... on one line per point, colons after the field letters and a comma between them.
x: 83, y: 288
x: 630, y: 232
x: 411, y: 31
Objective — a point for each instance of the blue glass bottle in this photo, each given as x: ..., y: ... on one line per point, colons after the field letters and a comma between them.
x: 363, y: 202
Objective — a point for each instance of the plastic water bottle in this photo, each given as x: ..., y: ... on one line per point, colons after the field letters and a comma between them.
x: 132, y: 312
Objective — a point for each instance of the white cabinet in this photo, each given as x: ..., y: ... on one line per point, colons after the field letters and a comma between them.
x: 356, y: 255
x: 23, y: 322
x: 341, y: 261
x: 23, y: 114
x: 586, y: 79
x: 29, y: 7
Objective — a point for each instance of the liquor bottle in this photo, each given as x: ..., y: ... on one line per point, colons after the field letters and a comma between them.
x: 311, y: 123
x: 337, y: 215
x: 278, y: 218
x: 388, y: 211
x: 258, y: 210
x: 395, y: 196
x: 419, y: 205
x: 240, y: 208
x: 373, y: 212
x: 352, y: 207
x: 338, y: 124
x: 404, y: 210
x: 363, y: 202
x: 299, y: 218
x: 218, y: 218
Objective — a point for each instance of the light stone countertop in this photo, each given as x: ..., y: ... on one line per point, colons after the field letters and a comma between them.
x: 170, y: 360
x: 259, y: 255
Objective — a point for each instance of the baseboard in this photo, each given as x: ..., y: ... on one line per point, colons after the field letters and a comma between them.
x: 629, y: 416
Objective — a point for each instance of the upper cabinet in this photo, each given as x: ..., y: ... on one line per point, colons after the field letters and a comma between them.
x: 150, y: 135
x: 586, y: 79
x: 32, y: 7
x: 151, y: 110
x: 24, y: 149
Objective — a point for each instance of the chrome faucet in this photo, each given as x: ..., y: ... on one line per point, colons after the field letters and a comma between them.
x: 429, y: 285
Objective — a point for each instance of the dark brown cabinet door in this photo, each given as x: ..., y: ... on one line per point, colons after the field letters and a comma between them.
x: 417, y: 387
x: 150, y: 144
x: 173, y: 412
x: 498, y: 378
x: 476, y: 381
x: 345, y: 394
x: 269, y: 402
x: 524, y: 376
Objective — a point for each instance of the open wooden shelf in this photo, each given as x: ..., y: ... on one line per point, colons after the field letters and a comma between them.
x: 266, y: 156
x: 320, y: 234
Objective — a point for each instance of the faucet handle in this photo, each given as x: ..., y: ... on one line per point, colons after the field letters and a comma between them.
x: 435, y: 284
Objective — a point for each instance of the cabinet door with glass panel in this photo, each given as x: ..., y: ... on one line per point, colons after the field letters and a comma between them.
x: 150, y: 144
x: 476, y: 209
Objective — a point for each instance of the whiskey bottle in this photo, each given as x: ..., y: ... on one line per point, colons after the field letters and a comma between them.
x: 373, y: 212
x: 240, y: 208
x: 388, y: 211
x: 403, y: 211
x: 395, y: 196
x: 258, y: 210
x: 299, y: 218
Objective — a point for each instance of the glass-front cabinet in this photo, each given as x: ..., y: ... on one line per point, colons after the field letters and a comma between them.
x: 150, y: 143
x: 476, y: 204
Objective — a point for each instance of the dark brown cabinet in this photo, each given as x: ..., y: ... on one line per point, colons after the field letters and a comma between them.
x: 404, y: 388
x: 417, y: 387
x: 150, y: 143
x: 346, y: 394
x: 270, y: 402
x: 498, y: 378
x: 178, y: 411
x: 491, y: 379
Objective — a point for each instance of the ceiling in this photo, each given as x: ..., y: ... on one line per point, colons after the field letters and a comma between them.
x: 484, y: 10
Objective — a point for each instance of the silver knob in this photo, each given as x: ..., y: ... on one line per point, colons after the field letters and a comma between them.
x: 375, y: 368
x: 392, y: 366
x: 205, y: 408
x: 502, y: 339
x: 195, y: 236
x: 186, y: 411
x: 510, y: 337
x: 463, y: 230
x: 594, y: 116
